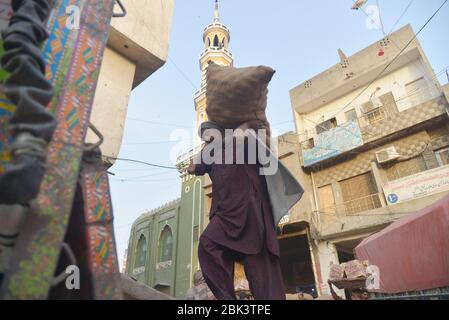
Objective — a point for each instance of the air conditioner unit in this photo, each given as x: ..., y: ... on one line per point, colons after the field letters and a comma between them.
x: 387, y: 155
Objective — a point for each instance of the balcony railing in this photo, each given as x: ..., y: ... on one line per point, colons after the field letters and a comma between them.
x: 190, y: 154
x: 355, y: 206
x: 368, y: 203
x: 374, y: 116
x: 216, y: 49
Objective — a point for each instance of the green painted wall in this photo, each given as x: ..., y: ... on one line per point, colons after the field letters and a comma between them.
x: 159, y: 275
x: 191, y: 206
x: 183, y: 217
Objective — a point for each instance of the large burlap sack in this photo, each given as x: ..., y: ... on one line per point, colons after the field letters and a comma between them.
x: 237, y: 95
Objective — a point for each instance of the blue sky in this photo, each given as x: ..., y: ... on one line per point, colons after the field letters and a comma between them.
x: 298, y: 38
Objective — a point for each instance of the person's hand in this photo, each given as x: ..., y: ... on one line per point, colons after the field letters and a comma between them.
x: 257, y: 124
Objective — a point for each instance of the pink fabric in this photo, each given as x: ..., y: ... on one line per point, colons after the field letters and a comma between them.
x: 412, y: 253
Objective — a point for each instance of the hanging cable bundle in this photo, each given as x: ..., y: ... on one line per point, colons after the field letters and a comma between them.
x: 31, y: 125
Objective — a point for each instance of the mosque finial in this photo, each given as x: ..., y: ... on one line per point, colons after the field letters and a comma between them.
x: 216, y: 12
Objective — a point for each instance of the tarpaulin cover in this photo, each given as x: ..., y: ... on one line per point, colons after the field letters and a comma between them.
x: 413, y: 253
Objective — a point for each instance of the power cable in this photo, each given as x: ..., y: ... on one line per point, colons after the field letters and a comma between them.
x: 158, y: 123
x: 401, y: 16
x: 141, y: 162
x: 394, y: 59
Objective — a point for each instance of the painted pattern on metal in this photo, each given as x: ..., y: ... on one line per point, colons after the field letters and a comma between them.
x: 74, y: 59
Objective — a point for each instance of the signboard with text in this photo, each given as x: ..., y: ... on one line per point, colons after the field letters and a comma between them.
x: 334, y: 142
x: 419, y: 185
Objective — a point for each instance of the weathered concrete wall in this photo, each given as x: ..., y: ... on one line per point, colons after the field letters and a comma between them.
x: 446, y: 91
x: 324, y: 96
x: 289, y: 153
x: 365, y: 66
x: 111, y: 101
x: 137, y: 47
x: 143, y: 35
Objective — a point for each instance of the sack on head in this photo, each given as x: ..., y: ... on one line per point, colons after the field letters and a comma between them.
x: 237, y: 95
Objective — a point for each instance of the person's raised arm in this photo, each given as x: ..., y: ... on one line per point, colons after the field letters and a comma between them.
x: 197, y: 166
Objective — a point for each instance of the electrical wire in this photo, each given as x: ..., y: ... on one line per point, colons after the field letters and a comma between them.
x: 148, y: 175
x: 158, y: 123
x: 409, y: 95
x: 364, y: 90
x: 380, y: 18
x: 401, y: 16
x: 158, y: 41
x: 394, y: 59
x: 151, y: 143
x: 141, y: 162
x: 374, y: 144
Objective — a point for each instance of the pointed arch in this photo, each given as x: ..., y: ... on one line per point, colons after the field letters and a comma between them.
x: 141, y: 252
x: 216, y: 41
x: 166, y: 245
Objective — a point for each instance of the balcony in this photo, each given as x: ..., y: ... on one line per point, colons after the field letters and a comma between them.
x: 216, y: 50
x: 333, y: 142
x: 397, y: 117
x: 368, y: 203
x: 353, y: 207
x: 390, y: 118
x: 216, y: 25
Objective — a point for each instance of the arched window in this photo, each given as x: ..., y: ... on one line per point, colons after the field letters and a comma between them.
x: 166, y: 245
x: 141, y: 252
x: 208, y: 42
x: 216, y: 41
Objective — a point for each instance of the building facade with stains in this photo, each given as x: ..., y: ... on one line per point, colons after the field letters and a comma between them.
x: 374, y: 139
x: 137, y: 47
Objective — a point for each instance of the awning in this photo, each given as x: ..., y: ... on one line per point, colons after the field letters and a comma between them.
x: 412, y: 254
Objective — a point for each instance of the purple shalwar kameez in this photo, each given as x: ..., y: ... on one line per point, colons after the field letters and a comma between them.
x: 241, y: 228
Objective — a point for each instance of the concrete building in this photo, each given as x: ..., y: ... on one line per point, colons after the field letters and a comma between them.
x: 296, y: 248
x: 374, y: 136
x: 137, y: 47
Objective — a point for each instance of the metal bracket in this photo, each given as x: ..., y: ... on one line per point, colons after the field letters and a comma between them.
x: 122, y: 7
x: 92, y: 147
